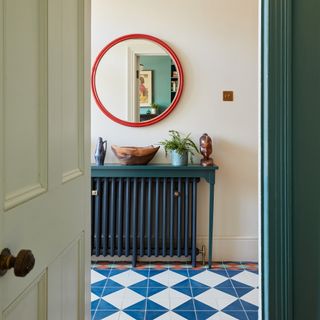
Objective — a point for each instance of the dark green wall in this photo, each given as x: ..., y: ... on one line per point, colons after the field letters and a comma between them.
x: 306, y: 158
x: 161, y: 78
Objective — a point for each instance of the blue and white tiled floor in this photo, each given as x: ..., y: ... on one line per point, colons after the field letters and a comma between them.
x: 175, y: 291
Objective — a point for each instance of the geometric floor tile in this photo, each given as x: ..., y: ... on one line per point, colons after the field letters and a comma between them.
x: 209, y: 278
x: 249, y: 278
x: 228, y: 291
x: 216, y: 298
x: 252, y: 297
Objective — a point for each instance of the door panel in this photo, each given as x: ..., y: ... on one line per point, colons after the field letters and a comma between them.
x: 25, y: 68
x: 65, y: 281
x: 72, y: 100
x: 44, y: 173
x: 32, y: 303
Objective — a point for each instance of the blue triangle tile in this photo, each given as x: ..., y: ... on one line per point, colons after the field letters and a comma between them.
x: 184, y: 290
x: 104, y: 305
x: 193, y: 273
x: 195, y: 283
x: 155, y: 284
x: 155, y: 272
x: 238, y: 284
x: 143, y: 272
x: 100, y: 283
x: 249, y: 306
x: 234, y: 306
x: 109, y: 290
x: 198, y: 290
x: 141, y: 291
x: 97, y: 291
x: 140, y: 306
x: 220, y: 272
x: 232, y: 273
x: 203, y: 315
x: 202, y: 306
x: 151, y: 315
x: 114, y: 272
x: 111, y: 283
x: 189, y: 315
x: 187, y: 306
x: 225, y: 284
x: 240, y: 315
x: 92, y: 313
x: 182, y: 284
x: 253, y: 315
x: 183, y: 272
x: 152, y: 291
x: 137, y: 315
x: 99, y: 315
x: 94, y: 304
x: 104, y: 272
x: 242, y: 291
x: 155, y: 306
x: 141, y: 284
x: 230, y: 291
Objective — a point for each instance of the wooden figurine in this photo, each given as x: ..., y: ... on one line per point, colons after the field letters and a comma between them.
x: 206, y: 150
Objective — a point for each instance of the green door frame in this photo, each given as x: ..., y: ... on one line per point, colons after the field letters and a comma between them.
x: 276, y: 159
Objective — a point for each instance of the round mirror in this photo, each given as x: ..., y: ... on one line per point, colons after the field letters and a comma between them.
x: 137, y: 80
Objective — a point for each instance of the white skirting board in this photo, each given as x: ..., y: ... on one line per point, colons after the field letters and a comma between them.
x: 234, y: 248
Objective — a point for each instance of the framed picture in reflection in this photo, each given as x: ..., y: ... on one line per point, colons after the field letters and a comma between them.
x: 145, y: 88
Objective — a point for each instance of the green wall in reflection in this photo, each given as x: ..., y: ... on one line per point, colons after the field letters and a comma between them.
x: 161, y: 80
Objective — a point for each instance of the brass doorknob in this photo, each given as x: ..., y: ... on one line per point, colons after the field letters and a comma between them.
x: 22, y: 264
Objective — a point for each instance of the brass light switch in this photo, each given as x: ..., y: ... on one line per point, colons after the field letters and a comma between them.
x: 227, y: 95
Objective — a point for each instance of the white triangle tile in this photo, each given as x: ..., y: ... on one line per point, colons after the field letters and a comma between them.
x: 175, y: 278
x: 248, y: 278
x: 221, y: 316
x: 162, y: 298
x: 252, y: 297
x: 114, y: 316
x: 128, y: 278
x: 124, y: 316
x: 94, y: 297
x: 168, y: 278
x: 216, y: 298
x: 175, y: 316
x: 115, y: 298
x: 96, y: 276
x: 131, y: 298
x: 170, y: 315
x: 177, y: 298
x: 162, y: 278
x: 209, y: 278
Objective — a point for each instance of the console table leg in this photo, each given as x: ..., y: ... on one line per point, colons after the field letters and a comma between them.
x: 194, y: 223
x: 210, y: 233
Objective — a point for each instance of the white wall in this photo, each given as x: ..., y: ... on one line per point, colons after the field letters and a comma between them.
x: 217, y: 42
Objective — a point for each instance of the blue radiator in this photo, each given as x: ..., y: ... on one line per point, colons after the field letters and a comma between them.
x: 144, y: 217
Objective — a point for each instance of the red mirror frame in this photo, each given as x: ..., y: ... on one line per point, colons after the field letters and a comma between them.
x: 173, y: 103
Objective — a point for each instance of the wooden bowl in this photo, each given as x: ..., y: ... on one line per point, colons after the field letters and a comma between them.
x: 134, y: 155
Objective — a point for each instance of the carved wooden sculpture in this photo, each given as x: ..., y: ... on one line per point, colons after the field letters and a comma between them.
x: 206, y: 150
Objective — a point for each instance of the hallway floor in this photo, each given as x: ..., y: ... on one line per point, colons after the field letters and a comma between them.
x: 174, y: 291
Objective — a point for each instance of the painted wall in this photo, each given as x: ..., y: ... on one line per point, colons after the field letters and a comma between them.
x: 217, y: 43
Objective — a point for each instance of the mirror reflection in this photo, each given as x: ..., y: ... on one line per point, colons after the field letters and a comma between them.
x: 136, y: 80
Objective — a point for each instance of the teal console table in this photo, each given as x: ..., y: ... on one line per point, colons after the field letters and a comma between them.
x: 148, y: 209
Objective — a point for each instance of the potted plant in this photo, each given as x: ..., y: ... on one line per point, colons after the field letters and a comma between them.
x: 180, y: 146
x: 154, y: 108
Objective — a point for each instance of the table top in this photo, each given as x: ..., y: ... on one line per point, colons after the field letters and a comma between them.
x: 155, y: 170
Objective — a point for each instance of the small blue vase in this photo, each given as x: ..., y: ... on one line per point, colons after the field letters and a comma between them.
x: 100, y: 152
x: 178, y: 159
